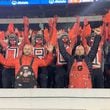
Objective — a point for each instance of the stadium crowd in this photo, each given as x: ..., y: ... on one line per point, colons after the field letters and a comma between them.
x: 50, y: 58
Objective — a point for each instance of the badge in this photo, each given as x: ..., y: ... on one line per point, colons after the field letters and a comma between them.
x: 80, y: 68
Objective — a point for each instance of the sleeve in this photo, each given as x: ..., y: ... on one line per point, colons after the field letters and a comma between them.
x: 92, y: 53
x: 46, y: 61
x: 84, y: 42
x: 11, y: 28
x: 63, y: 51
x: 2, y: 35
x: 26, y: 30
x: 87, y: 30
x: 53, y: 39
x: 25, y: 34
x: 7, y: 62
x: 46, y: 34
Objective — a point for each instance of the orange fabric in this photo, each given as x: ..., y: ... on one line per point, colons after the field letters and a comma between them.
x: 26, y: 61
x: 87, y: 30
x: 74, y: 1
x: 107, y: 17
x: 53, y: 39
x: 11, y: 28
x: 84, y: 42
x: 74, y: 31
x: 79, y: 79
x: 26, y: 30
x: 2, y: 35
x: 46, y: 35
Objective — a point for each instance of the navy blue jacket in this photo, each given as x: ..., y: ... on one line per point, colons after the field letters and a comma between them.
x: 88, y: 58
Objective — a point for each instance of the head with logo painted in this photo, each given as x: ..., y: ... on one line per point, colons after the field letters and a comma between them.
x: 12, y: 40
x: 38, y: 39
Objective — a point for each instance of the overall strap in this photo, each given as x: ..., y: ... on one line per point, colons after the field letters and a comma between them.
x: 32, y: 61
x: 20, y: 61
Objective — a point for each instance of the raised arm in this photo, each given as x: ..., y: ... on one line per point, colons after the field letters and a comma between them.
x: 26, y: 30
x: 94, y: 48
x: 48, y: 59
x: 53, y: 37
x: 3, y: 44
x: 63, y: 51
x: 25, y: 33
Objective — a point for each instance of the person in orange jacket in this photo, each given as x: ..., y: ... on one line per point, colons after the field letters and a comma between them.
x: 13, y: 50
x: 26, y: 67
x: 40, y: 51
x: 80, y: 64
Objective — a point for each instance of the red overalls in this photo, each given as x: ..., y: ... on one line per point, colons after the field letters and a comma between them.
x: 79, y: 75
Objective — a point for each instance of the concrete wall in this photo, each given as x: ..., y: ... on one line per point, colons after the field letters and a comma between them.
x: 54, y: 99
x: 45, y: 20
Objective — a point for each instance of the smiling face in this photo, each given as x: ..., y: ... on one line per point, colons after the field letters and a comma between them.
x: 79, y: 50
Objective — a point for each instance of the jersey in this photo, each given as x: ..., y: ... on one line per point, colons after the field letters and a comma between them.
x: 40, y: 52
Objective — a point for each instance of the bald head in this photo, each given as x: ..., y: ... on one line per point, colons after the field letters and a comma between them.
x: 27, y: 50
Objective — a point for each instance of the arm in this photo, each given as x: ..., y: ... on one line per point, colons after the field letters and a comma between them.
x: 53, y: 37
x: 48, y: 59
x: 74, y: 31
x: 3, y: 44
x: 26, y: 30
x: 46, y: 34
x: 25, y: 33
x: 63, y: 51
x: 7, y: 62
x: 94, y: 48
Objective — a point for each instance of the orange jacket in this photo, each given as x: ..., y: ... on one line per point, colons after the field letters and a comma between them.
x: 26, y: 61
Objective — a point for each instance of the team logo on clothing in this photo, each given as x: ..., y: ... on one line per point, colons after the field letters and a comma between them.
x: 80, y: 68
x: 12, y: 52
x: 39, y: 52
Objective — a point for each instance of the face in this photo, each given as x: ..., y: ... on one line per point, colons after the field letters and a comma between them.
x: 12, y: 41
x: 27, y: 50
x: 64, y: 39
x: 39, y: 41
x: 79, y: 50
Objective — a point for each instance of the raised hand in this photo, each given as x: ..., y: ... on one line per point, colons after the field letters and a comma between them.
x: 50, y: 22
x: 85, y: 21
x: 25, y: 20
x: 49, y: 47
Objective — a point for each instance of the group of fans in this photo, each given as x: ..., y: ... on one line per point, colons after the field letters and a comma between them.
x: 51, y: 58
